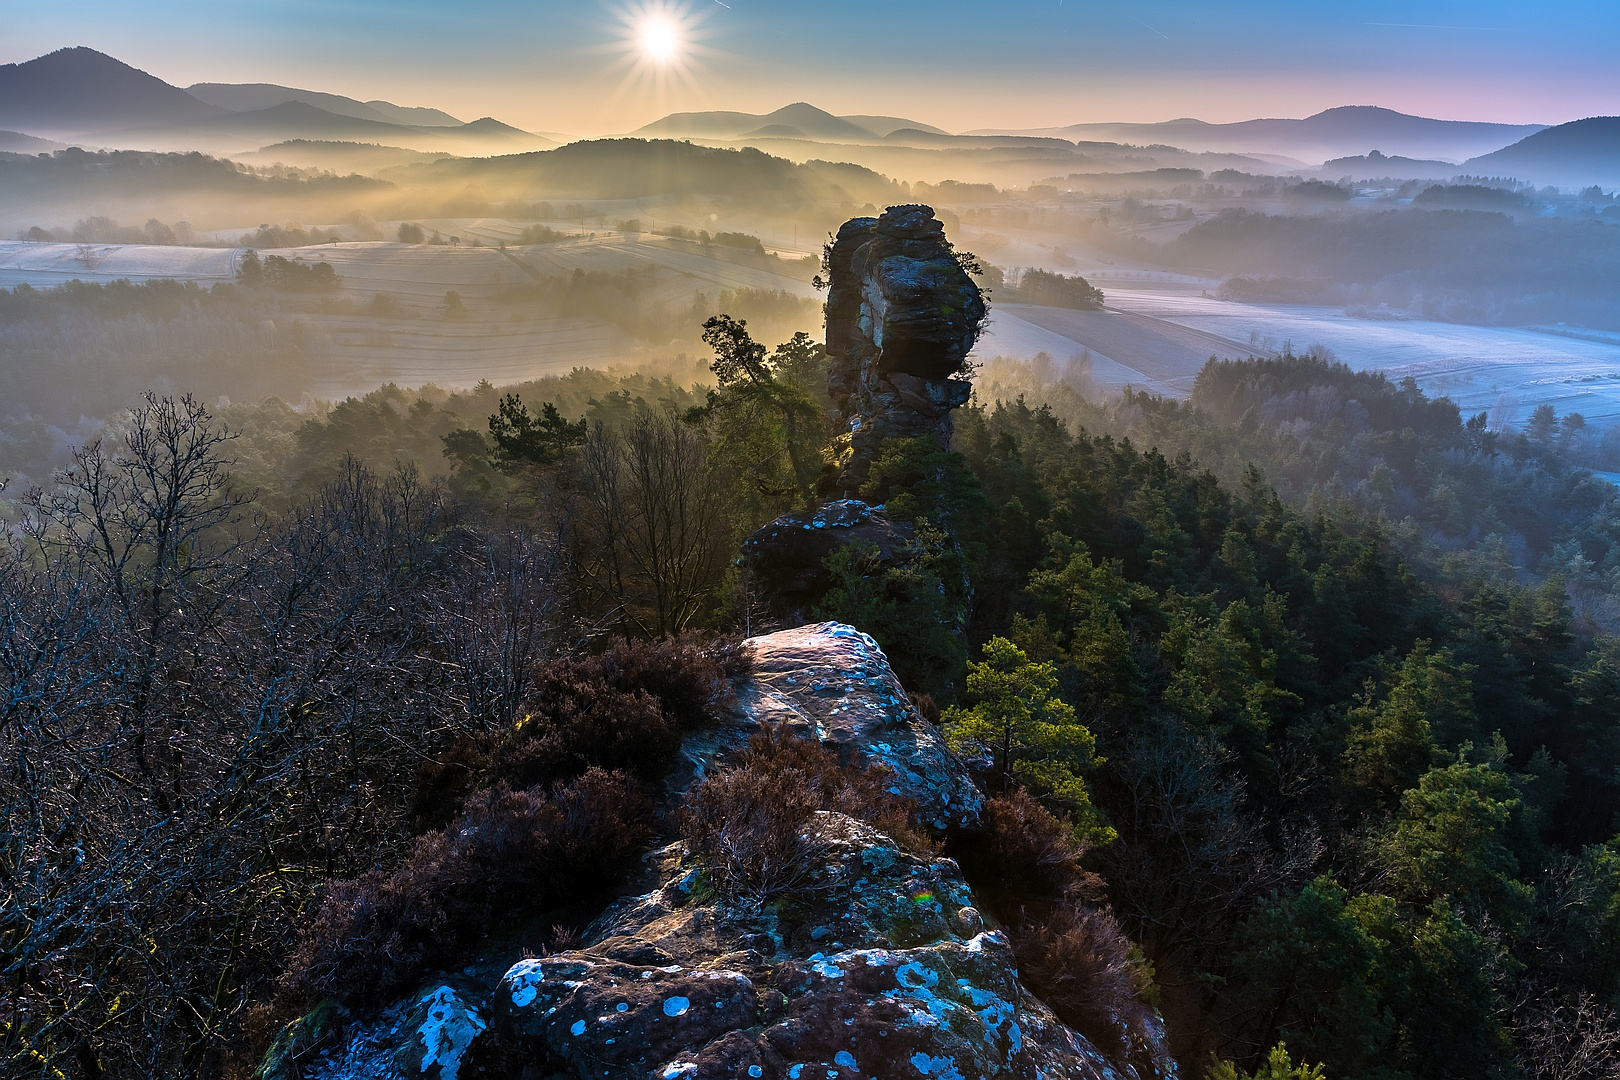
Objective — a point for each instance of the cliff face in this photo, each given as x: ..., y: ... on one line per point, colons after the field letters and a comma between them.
x: 902, y: 317
x: 880, y: 965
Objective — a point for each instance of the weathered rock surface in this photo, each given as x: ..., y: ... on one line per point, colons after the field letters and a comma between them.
x: 424, y: 1035
x: 831, y: 683
x: 902, y: 317
x: 882, y: 969
x: 788, y: 557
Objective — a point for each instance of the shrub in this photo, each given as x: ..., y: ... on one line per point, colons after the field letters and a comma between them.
x: 579, y: 720
x: 1029, y: 852
x: 625, y: 709
x: 1078, y: 961
x: 510, y: 851
x: 1277, y: 1066
x: 745, y: 823
x: 1026, y: 867
x: 688, y: 678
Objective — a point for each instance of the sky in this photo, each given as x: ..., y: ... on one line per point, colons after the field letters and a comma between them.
x: 579, y: 68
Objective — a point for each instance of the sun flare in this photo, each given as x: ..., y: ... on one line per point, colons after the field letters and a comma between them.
x: 660, y: 38
x: 660, y: 45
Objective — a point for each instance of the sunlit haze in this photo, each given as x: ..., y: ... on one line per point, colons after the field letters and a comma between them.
x: 957, y: 65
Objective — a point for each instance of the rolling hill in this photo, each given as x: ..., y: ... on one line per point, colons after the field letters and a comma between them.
x: 1577, y: 154
x: 1340, y: 132
x: 80, y: 94
x: 14, y: 142
x: 250, y: 97
x: 234, y: 132
x: 799, y: 120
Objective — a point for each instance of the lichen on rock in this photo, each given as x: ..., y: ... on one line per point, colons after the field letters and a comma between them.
x: 876, y: 963
x: 879, y: 967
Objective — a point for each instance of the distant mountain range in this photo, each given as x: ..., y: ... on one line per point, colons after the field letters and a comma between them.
x: 1577, y: 154
x: 1341, y: 132
x: 251, y: 97
x: 297, y: 119
x: 82, y: 95
x: 799, y: 120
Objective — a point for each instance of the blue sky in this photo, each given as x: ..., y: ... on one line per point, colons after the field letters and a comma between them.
x: 562, y: 66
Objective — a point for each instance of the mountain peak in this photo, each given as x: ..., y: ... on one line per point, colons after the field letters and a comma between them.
x: 78, y: 89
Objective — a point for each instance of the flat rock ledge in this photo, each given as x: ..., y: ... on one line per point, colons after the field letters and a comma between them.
x: 831, y: 683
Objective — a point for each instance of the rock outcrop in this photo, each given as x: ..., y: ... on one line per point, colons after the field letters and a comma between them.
x: 902, y: 316
x: 787, y: 557
x: 880, y: 966
x: 888, y: 971
x: 831, y: 683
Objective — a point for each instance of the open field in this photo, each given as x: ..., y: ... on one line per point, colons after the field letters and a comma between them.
x: 1157, y: 339
x: 1157, y: 331
x: 412, y: 342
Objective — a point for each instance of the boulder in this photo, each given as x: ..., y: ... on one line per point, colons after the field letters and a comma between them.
x: 831, y: 683
x: 425, y: 1035
x: 902, y: 316
x: 787, y: 558
x: 881, y: 967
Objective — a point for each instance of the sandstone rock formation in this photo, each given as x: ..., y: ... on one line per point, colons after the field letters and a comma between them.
x: 888, y: 972
x: 788, y: 556
x: 882, y: 966
x: 831, y: 683
x: 902, y: 316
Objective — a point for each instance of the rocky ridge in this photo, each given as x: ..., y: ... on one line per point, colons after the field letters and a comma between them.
x: 880, y: 966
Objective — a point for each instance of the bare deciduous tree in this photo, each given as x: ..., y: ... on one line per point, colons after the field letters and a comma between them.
x: 205, y: 715
x: 655, y: 523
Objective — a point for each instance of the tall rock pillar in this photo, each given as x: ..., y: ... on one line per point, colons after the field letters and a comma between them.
x: 902, y: 316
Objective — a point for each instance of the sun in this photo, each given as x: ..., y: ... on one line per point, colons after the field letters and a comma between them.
x: 659, y: 45
x: 660, y: 38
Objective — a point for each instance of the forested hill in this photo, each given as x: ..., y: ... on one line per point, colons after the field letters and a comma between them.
x: 636, y: 168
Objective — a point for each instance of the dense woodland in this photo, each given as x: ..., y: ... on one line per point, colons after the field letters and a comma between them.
x: 1309, y: 683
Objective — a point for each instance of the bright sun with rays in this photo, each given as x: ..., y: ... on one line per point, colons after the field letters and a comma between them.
x: 660, y: 46
x: 660, y: 38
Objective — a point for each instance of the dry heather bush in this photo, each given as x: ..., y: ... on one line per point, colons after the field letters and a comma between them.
x: 578, y: 721
x: 746, y: 822
x: 622, y: 710
x: 926, y: 707
x: 1026, y: 865
x: 690, y: 679
x: 509, y: 851
x: 1078, y: 960
x: 1025, y: 855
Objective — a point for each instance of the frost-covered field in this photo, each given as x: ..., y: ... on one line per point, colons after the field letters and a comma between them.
x: 46, y: 265
x: 1506, y: 370
x: 500, y: 342
x: 1157, y: 339
x: 1156, y: 334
